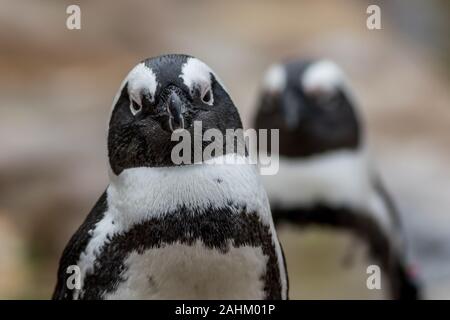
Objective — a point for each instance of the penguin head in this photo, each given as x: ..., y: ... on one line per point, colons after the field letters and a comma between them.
x: 309, y: 102
x: 158, y: 96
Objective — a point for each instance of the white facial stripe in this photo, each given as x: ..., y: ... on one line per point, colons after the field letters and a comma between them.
x: 195, y: 72
x: 275, y: 78
x: 141, y: 78
x: 322, y: 76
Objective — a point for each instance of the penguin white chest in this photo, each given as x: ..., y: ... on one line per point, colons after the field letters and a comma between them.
x: 193, y: 271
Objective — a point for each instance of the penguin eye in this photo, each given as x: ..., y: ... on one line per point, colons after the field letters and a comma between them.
x: 135, y: 107
x: 207, y: 97
x: 321, y: 98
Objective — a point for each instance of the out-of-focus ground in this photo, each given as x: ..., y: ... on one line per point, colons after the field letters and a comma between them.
x: 57, y: 85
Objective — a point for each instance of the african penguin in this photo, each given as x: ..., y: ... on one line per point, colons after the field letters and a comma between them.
x: 325, y: 177
x: 166, y: 231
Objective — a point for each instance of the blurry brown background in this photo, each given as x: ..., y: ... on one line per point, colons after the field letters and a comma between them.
x: 57, y: 85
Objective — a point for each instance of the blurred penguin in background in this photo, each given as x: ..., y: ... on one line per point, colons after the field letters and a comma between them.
x: 325, y: 178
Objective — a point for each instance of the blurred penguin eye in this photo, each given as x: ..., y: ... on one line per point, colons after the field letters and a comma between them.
x: 328, y: 101
x: 135, y: 107
x: 325, y: 100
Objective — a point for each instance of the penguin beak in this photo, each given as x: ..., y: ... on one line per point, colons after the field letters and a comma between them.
x: 291, y: 110
x: 172, y: 114
x: 175, y: 108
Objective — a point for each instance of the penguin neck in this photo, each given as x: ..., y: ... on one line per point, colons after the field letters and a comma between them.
x: 148, y: 192
x: 339, y: 178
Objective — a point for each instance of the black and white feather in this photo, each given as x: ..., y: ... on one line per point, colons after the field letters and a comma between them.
x: 325, y: 175
x: 165, y: 231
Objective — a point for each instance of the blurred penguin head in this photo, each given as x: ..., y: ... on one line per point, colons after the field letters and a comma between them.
x: 309, y: 102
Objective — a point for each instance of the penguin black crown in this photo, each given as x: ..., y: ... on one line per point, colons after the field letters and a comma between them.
x: 165, y: 231
x: 325, y: 176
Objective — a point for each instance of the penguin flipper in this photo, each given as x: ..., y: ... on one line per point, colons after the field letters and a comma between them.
x: 76, y: 245
x: 388, y: 200
x: 406, y: 286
